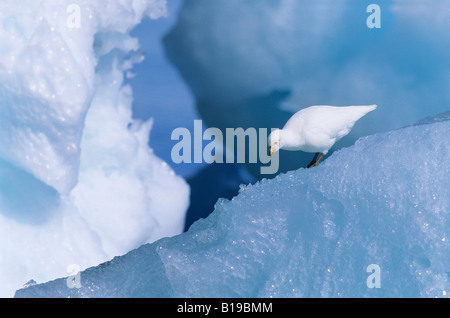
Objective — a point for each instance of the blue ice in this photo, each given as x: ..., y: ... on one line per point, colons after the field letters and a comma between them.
x: 383, y: 203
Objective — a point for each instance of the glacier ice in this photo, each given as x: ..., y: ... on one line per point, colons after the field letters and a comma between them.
x: 307, y: 233
x: 78, y: 182
x: 254, y: 63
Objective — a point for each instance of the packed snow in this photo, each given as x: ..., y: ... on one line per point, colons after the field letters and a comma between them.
x: 78, y: 182
x: 381, y: 205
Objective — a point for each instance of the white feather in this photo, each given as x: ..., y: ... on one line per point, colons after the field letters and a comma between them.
x: 317, y: 128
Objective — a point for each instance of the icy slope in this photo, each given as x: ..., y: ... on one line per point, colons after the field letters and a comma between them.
x: 78, y: 182
x: 307, y: 233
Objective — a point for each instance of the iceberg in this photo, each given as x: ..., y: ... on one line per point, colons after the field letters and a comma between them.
x: 255, y: 63
x: 78, y: 181
x: 379, y: 207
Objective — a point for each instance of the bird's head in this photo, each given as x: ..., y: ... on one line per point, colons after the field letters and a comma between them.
x: 274, y: 141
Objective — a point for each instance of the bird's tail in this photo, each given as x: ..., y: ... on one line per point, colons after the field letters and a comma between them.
x: 363, y: 110
x: 371, y: 108
x: 357, y: 112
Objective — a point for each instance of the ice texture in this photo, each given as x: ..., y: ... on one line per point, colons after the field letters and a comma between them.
x: 307, y: 233
x: 254, y: 63
x: 78, y: 181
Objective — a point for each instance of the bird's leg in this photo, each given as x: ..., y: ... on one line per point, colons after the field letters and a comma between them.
x: 313, y: 162
x: 319, y: 160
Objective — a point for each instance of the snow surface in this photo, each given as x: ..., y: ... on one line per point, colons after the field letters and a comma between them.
x: 254, y: 63
x: 307, y: 233
x: 78, y: 182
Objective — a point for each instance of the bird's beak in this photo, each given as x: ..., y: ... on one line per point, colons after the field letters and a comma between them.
x: 272, y: 151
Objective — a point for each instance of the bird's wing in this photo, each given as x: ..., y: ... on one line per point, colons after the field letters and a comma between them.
x: 336, y: 122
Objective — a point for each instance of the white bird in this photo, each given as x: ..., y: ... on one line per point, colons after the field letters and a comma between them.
x: 316, y: 129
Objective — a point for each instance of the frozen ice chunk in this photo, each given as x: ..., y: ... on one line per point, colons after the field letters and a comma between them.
x: 381, y: 204
x: 47, y: 78
x: 78, y: 182
x: 44, y: 95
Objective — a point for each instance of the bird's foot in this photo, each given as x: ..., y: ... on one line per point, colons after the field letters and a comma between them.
x: 315, y: 162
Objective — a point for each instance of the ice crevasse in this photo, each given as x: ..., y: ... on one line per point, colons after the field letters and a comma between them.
x: 78, y: 182
x: 319, y: 232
